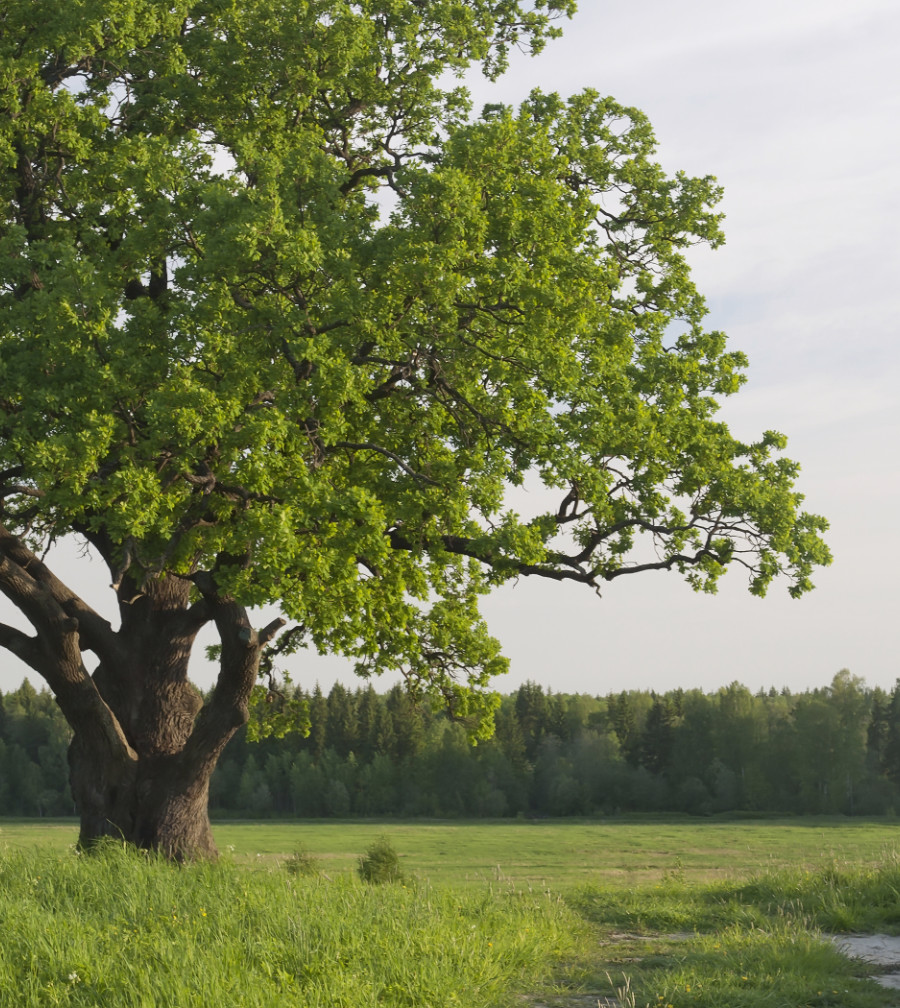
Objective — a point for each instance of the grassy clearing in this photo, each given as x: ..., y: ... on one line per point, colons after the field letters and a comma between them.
x: 713, y: 915
x: 837, y: 897
x: 558, y: 854
x: 784, y: 965
x: 758, y: 943
x: 130, y: 931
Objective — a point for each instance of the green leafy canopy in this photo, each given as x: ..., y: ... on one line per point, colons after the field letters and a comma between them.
x: 277, y: 307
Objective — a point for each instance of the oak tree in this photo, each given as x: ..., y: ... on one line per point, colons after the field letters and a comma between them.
x: 282, y: 320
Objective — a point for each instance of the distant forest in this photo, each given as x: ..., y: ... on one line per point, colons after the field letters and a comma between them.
x: 834, y: 750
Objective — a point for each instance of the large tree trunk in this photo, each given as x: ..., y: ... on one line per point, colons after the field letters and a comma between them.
x: 153, y: 794
x: 156, y: 803
x: 145, y: 745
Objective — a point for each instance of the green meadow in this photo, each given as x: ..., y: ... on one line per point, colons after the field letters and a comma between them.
x: 652, y: 913
x: 558, y: 853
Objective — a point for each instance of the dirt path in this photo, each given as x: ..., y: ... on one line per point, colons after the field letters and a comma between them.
x: 881, y: 951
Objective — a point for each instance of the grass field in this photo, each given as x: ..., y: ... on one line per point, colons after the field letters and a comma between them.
x: 547, y: 853
x: 490, y: 915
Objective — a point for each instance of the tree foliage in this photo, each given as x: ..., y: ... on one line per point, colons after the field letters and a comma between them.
x: 282, y: 320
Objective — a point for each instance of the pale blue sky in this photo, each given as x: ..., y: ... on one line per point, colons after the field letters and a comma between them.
x: 795, y: 108
x: 794, y: 105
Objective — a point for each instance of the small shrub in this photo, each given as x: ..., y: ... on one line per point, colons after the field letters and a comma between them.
x: 303, y: 862
x: 380, y: 863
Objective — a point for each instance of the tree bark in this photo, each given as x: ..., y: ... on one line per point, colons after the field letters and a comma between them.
x: 154, y: 803
x: 145, y: 745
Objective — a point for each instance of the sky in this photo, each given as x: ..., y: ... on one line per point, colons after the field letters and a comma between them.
x: 794, y: 105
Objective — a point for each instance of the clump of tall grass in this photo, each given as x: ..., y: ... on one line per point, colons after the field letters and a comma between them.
x: 839, y: 896
x: 380, y: 863
x: 132, y: 931
x: 302, y: 862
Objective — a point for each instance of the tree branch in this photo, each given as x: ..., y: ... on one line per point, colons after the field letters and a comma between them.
x: 367, y: 446
x: 55, y: 652
x: 20, y: 644
x: 95, y: 632
x: 667, y: 564
x: 239, y: 662
x: 559, y: 566
x: 463, y: 546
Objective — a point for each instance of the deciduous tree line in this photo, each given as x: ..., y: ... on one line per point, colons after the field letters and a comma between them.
x: 829, y: 750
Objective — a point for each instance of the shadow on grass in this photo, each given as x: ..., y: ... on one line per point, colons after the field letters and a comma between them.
x: 755, y: 944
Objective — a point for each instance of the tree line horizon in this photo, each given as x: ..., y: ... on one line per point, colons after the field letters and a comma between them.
x: 829, y: 750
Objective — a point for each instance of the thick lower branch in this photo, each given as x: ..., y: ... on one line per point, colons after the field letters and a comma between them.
x: 241, y: 650
x: 20, y: 644
x: 559, y: 567
x: 95, y: 631
x: 55, y: 651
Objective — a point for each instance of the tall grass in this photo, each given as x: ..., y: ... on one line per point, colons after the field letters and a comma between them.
x: 838, y: 896
x: 123, y: 930
x: 780, y: 966
x: 760, y: 943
